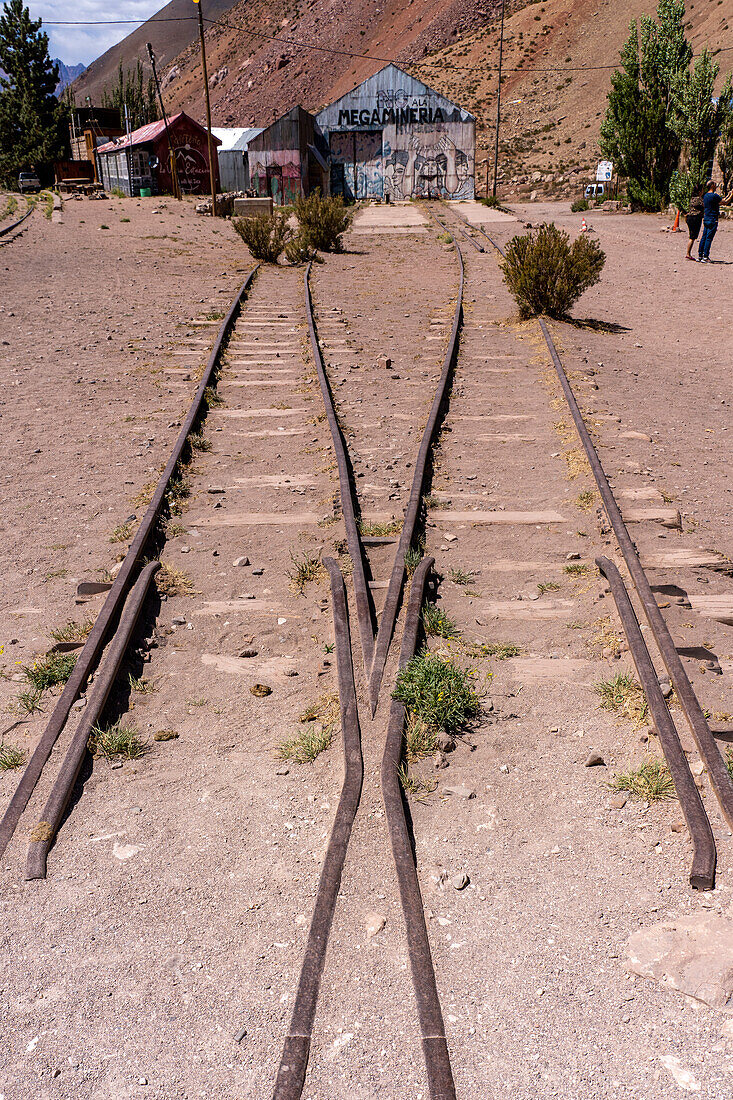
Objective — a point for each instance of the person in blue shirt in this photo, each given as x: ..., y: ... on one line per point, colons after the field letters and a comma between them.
x: 711, y: 212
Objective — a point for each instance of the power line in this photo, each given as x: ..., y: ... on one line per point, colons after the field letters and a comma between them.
x: 323, y: 49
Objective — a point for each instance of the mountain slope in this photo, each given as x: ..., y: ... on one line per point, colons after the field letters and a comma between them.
x: 67, y: 74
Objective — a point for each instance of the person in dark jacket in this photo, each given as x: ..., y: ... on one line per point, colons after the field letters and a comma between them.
x: 711, y: 212
x: 694, y: 218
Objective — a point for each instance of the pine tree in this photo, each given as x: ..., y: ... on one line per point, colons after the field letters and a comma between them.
x: 725, y: 152
x: 31, y: 119
x: 637, y: 132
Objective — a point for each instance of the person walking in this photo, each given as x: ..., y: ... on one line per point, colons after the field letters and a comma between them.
x: 694, y: 218
x: 711, y: 212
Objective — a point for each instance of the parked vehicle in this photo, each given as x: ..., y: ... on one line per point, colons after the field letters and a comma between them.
x: 596, y: 191
x: 28, y: 181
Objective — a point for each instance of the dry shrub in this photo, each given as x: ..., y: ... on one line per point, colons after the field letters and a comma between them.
x: 547, y: 274
x: 323, y: 222
x: 265, y: 235
x: 299, y: 250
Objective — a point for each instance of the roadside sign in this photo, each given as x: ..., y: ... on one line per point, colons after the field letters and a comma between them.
x: 604, y: 171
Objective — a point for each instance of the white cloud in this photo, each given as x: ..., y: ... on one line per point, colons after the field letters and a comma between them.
x: 75, y: 44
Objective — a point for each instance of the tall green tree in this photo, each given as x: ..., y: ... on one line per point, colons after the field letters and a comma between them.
x: 637, y: 132
x: 698, y: 121
x: 725, y: 152
x: 31, y: 118
x: 139, y: 95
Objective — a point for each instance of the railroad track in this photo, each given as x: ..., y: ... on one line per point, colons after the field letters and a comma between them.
x: 240, y: 347
x: 8, y: 229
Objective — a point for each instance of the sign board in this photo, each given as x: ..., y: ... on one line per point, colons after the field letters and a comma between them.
x: 604, y: 171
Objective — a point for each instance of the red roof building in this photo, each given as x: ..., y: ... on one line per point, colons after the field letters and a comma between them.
x: 141, y: 160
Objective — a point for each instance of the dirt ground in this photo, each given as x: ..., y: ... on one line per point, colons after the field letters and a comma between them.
x: 160, y: 956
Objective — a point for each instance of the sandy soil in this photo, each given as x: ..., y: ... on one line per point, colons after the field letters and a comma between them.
x: 180, y: 889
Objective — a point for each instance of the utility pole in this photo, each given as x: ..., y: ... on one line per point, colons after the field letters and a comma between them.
x: 212, y: 171
x: 498, y: 101
x: 171, y: 154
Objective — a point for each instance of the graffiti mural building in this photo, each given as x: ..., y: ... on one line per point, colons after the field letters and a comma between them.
x: 289, y: 159
x: 392, y: 135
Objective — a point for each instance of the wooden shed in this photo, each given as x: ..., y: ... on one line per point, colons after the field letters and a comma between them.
x: 142, y: 161
x: 289, y: 159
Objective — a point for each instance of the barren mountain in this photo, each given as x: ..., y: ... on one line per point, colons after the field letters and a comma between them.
x: 266, y: 55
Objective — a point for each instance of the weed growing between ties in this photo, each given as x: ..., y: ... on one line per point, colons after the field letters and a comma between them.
x: 173, y: 582
x: 265, y: 235
x: 420, y: 739
x: 319, y: 720
x: 29, y: 702
x: 651, y: 781
x: 729, y: 760
x: 118, y: 740
x: 437, y: 624
x: 323, y: 221
x: 547, y: 586
x: 414, y: 785
x: 438, y: 691
x: 460, y: 576
x: 379, y: 530
x: 123, y: 532
x: 10, y: 757
x: 50, y: 670
x: 546, y: 274
x: 500, y: 651
x: 413, y: 557
x: 299, y: 250
x: 580, y: 569
x: 212, y: 400
x: 585, y: 500
x: 623, y: 694
x: 199, y: 442
x: 73, y: 631
x: 606, y: 638
x: 140, y: 685
x: 306, y: 569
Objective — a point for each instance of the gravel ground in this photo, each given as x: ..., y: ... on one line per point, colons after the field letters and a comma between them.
x: 181, y: 885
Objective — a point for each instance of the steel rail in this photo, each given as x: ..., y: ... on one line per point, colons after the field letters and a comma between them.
x: 478, y: 228
x: 90, y: 654
x: 432, y: 1028
x: 702, y: 871
x: 294, y: 1061
x: 394, y: 591
x: 719, y: 778
x: 14, y: 225
x: 44, y: 834
x: 348, y: 495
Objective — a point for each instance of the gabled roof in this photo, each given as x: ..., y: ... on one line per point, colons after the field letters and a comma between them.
x: 237, y: 137
x: 392, y: 78
x: 149, y: 132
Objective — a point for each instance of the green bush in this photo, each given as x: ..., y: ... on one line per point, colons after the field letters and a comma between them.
x: 438, y: 691
x: 492, y: 202
x: 578, y: 205
x: 323, y: 222
x: 546, y: 274
x: 266, y: 235
x: 299, y: 250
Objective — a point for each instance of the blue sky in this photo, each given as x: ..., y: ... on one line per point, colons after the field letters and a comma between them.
x: 74, y: 44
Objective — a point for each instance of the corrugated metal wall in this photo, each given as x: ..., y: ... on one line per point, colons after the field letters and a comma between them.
x: 392, y: 135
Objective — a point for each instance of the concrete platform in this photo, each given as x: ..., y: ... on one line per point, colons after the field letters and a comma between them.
x: 400, y: 217
x: 478, y: 214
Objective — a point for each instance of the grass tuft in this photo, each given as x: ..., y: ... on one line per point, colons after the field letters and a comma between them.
x: 212, y: 400
x: 437, y: 624
x: 414, y: 785
x: 729, y: 760
x: 117, y: 740
x: 306, y: 569
x: 173, y: 582
x: 585, y: 500
x: 50, y: 670
x: 651, y: 781
x: 547, y: 586
x: 140, y: 685
x: 623, y: 694
x: 413, y: 557
x: 306, y: 745
x: 500, y: 651
x: 460, y: 576
x: 123, y: 532
x: 29, y: 702
x: 10, y: 757
x: 378, y: 530
x: 580, y: 569
x: 420, y: 740
x: 438, y: 691
x: 73, y: 631
x: 199, y: 442
x: 606, y: 637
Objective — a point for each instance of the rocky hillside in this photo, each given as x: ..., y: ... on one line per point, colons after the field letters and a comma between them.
x: 558, y: 57
x: 67, y: 74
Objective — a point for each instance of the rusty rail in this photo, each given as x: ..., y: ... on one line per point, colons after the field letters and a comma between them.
x: 396, y: 580
x: 432, y: 1028
x: 14, y: 225
x: 702, y: 871
x: 348, y: 495
x: 90, y: 654
x: 294, y: 1060
x: 689, y: 702
x: 44, y: 834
